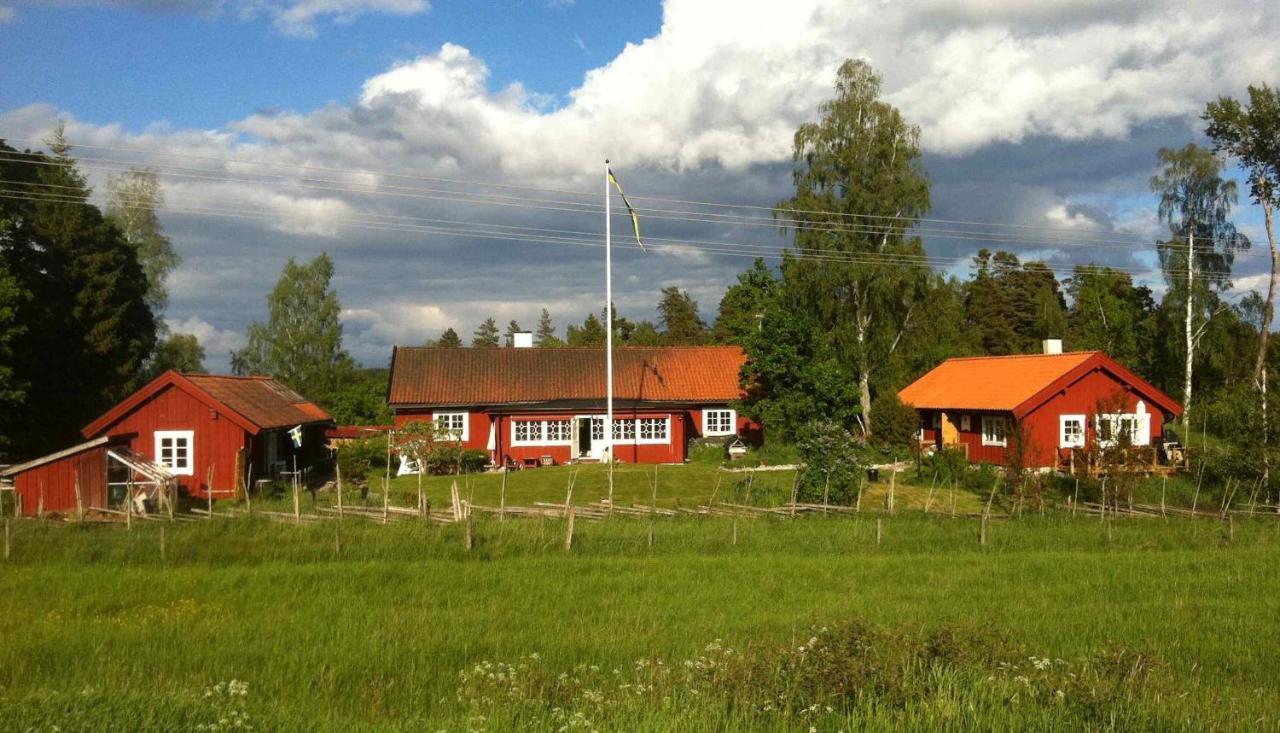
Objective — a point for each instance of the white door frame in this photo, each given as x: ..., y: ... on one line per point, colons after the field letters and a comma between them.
x: 596, y: 452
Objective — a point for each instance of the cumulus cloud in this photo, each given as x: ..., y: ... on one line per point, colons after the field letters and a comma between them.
x: 217, y: 342
x: 1045, y: 114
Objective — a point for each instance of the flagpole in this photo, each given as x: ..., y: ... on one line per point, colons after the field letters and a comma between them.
x: 608, y: 331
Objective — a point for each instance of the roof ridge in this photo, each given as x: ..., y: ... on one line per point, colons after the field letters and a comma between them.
x: 1021, y: 356
x: 196, y: 375
x: 637, y: 347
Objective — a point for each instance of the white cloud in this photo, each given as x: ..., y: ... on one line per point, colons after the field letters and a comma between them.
x: 217, y: 342
x: 705, y: 110
x: 7, y: 14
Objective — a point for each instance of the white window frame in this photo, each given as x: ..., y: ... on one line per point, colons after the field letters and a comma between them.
x: 986, y: 433
x: 635, y: 438
x: 1063, y: 441
x: 186, y: 435
x: 462, y: 435
x: 1141, y: 428
x: 665, y: 423
x: 707, y: 429
x: 540, y: 431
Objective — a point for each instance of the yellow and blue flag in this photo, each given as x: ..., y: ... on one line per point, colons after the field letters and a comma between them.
x: 635, y: 220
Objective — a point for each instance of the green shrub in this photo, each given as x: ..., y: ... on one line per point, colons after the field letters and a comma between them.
x: 893, y: 423
x: 831, y: 463
x: 358, y: 457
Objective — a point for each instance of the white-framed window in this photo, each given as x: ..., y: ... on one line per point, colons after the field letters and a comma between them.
x: 540, y: 432
x: 624, y: 430
x: 653, y: 429
x: 1071, y: 431
x: 719, y: 422
x: 451, y: 424
x: 964, y: 423
x: 994, y: 430
x: 597, y: 428
x: 174, y: 451
x: 1135, y: 429
x: 559, y: 431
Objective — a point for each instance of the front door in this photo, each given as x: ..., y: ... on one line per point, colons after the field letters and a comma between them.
x: 590, y: 439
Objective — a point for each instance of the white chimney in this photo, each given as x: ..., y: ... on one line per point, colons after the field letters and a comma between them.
x: 1052, y: 346
x: 522, y: 339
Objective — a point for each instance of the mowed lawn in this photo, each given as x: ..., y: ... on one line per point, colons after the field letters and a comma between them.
x: 370, y: 626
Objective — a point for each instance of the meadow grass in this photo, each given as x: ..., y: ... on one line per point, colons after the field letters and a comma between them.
x: 97, y: 631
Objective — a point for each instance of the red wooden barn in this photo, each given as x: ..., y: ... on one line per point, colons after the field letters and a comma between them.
x: 194, y: 426
x: 524, y: 404
x: 1060, y: 402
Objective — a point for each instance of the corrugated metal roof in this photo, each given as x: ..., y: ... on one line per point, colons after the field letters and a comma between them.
x: 447, y: 376
x: 262, y: 400
x: 990, y: 382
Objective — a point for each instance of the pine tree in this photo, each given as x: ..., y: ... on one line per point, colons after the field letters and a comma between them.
x: 485, y: 335
x: 546, y: 333
x: 301, y: 342
x: 590, y: 333
x: 509, y: 339
x: 449, y: 339
x: 678, y: 316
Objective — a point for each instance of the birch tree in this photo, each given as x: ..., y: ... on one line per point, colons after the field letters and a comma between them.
x: 1195, y: 203
x: 860, y: 187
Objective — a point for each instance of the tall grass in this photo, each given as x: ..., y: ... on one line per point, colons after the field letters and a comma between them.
x: 97, y: 631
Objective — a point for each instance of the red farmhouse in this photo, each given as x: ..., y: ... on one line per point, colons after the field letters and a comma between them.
x: 189, y: 424
x: 1062, y: 402
x: 528, y: 404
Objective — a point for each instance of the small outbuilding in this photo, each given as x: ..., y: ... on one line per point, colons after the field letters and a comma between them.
x: 209, y: 434
x: 1053, y: 408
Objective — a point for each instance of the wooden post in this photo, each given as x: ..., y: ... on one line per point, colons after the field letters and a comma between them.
x: 248, y: 482
x: 1164, y: 480
x: 933, y: 483
x: 651, y: 534
x: 982, y: 530
x: 826, y: 492
x: 79, y: 500
x: 386, y: 479
x: 1104, y: 499
x: 857, y: 507
x: 337, y: 468
x: 735, y: 530
x: 568, y: 492
x: 6, y: 539
x: 893, y: 478
x: 568, y: 531
x: 715, y: 490
x: 879, y: 528
x: 1075, y: 499
x: 795, y: 488
x: 128, y: 503
x: 1231, y: 528
x: 1199, y: 477
x: 208, y: 490
x: 421, y: 514
x: 40, y: 505
x: 297, y: 508
x: 502, y: 497
x: 953, y: 497
x: 468, y: 540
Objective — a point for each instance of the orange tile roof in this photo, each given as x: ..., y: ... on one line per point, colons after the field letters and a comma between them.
x: 262, y: 400
x: 427, y: 376
x: 999, y: 383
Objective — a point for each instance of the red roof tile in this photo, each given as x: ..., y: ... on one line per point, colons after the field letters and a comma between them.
x: 262, y: 400
x: 426, y: 376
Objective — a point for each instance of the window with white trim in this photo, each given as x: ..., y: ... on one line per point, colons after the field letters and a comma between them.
x: 719, y: 422
x: 174, y: 450
x: 451, y: 425
x: 994, y: 430
x: 653, y: 429
x: 1071, y: 431
x: 540, y: 432
x: 1133, y: 429
x: 624, y: 429
x: 964, y: 423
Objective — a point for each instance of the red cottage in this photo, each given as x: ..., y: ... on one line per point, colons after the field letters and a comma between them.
x: 1062, y: 402
x: 194, y: 426
x: 529, y: 405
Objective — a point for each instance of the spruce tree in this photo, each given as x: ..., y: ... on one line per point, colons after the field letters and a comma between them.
x: 449, y: 339
x: 545, y: 337
x: 678, y: 316
x: 485, y: 335
x: 509, y: 339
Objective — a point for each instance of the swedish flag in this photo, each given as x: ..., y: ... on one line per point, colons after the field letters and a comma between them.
x: 635, y: 220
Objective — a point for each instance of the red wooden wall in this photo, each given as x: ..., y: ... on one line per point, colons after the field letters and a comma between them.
x: 216, y: 438
x: 59, y: 481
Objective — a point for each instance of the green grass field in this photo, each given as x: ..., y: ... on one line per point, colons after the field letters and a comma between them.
x: 1150, y: 624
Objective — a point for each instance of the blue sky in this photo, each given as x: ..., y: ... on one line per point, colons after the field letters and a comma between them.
x: 1041, y: 118
x: 138, y: 68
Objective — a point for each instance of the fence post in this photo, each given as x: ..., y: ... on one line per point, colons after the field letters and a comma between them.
x: 338, y: 473
x: 6, y: 539
x: 568, y: 531
x: 982, y: 530
x: 468, y: 539
x: 879, y: 521
x: 502, y: 497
